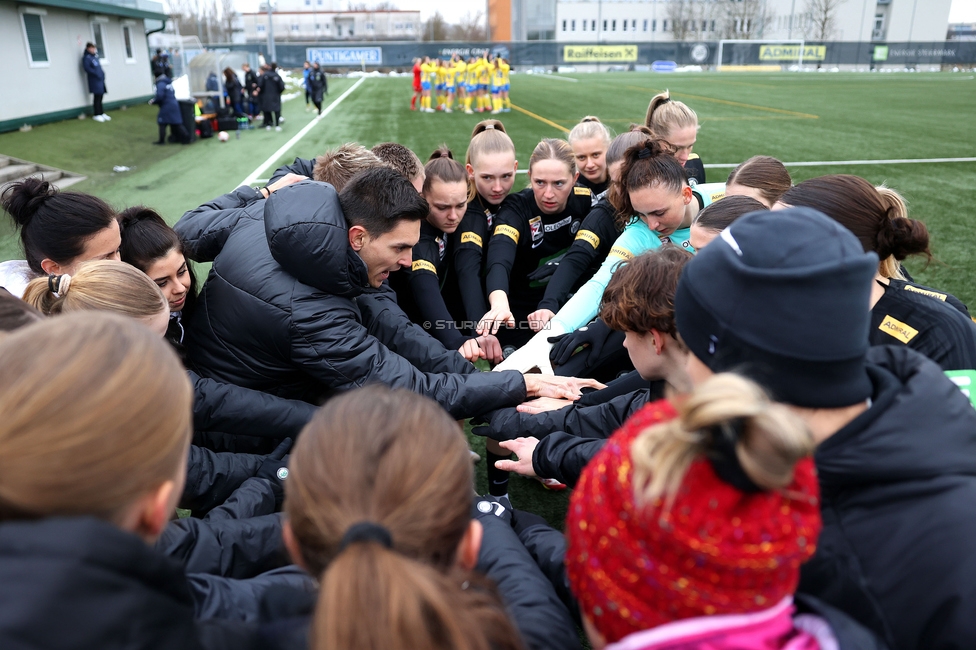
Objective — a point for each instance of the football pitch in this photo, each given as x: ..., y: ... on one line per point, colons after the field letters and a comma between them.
x: 830, y: 122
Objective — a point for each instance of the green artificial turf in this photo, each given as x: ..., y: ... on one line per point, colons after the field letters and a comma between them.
x: 794, y: 117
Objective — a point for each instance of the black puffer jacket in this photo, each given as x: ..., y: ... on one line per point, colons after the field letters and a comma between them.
x: 898, y: 486
x: 279, y: 310
x: 69, y: 583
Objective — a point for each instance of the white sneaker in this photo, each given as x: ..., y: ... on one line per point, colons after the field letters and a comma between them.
x: 106, y: 118
x: 277, y: 128
x: 98, y: 118
x: 447, y: 110
x: 267, y: 128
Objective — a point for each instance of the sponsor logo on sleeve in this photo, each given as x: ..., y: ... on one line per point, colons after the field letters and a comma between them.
x: 621, y: 252
x: 423, y: 265
x: 925, y: 292
x: 589, y: 237
x: 897, y: 329
x: 471, y: 237
x: 508, y: 231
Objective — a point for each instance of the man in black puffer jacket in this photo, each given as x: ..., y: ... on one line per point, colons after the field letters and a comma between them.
x: 281, y: 312
x: 896, y: 451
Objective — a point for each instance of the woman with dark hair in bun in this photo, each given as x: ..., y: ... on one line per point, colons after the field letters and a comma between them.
x: 902, y: 312
x: 58, y: 231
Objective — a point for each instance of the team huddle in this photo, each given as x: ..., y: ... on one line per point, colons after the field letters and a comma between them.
x: 749, y: 395
x: 480, y: 82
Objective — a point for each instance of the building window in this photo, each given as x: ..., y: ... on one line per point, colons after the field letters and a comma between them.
x: 564, y: 25
x: 633, y: 25
x: 713, y: 26
x: 369, y: 27
x: 99, y: 42
x: 36, y: 44
x: 318, y: 26
x: 613, y: 24
x: 645, y: 24
x: 261, y: 28
x: 625, y: 25
x: 127, y: 42
x: 654, y: 25
x: 572, y: 25
x: 604, y: 25
x: 408, y: 26
x: 664, y: 25
x: 584, y: 25
x: 592, y: 25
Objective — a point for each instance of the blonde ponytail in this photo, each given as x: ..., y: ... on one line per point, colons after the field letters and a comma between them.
x: 769, y: 439
x: 104, y: 285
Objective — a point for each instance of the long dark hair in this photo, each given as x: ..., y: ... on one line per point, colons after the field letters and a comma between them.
x: 146, y: 238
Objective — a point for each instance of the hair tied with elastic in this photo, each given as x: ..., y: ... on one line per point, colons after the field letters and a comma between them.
x: 366, y: 531
x: 720, y: 442
x: 489, y: 126
x: 58, y: 284
x: 645, y: 153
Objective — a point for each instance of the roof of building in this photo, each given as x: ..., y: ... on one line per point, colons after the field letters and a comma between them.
x: 127, y: 8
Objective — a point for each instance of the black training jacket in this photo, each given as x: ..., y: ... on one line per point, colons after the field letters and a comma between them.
x: 931, y: 327
x: 898, y: 490
x: 469, y: 243
x: 279, y: 310
x: 947, y: 298
x: 301, y: 166
x: 80, y: 583
x: 591, y: 246
x: 523, y: 239
x: 211, y: 477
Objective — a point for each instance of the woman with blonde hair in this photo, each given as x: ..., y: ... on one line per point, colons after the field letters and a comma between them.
x: 491, y: 166
x: 93, y: 453
x: 589, y: 140
x: 677, y: 124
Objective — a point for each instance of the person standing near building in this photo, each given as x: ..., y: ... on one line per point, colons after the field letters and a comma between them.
x: 250, y: 90
x: 271, y: 87
x: 96, y: 81
x: 169, y: 112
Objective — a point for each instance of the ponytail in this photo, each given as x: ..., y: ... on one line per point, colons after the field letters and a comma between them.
x: 442, y: 167
x: 761, y: 439
x: 589, y: 127
x: 665, y: 115
x: 374, y: 598
x: 645, y: 164
x: 104, y: 285
x: 488, y: 137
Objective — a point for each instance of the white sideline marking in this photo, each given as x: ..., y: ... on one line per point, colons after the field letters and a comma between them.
x: 836, y: 163
x: 263, y: 167
x: 556, y: 76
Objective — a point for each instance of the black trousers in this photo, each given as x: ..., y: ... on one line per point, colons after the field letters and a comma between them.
x: 268, y: 115
x: 97, y: 105
x: 177, y: 131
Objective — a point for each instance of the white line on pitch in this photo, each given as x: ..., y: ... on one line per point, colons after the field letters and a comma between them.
x: 556, y: 76
x: 253, y: 176
x: 838, y: 163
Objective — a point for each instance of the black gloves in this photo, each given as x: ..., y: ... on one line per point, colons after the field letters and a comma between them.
x: 592, y: 335
x: 275, y: 465
x: 545, y: 271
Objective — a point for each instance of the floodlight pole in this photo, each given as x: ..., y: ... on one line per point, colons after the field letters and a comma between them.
x: 271, y: 43
x: 792, y: 13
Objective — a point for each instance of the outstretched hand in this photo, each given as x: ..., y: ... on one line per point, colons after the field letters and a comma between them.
x: 522, y: 448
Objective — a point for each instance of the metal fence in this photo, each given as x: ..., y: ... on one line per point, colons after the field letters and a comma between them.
x: 381, y: 55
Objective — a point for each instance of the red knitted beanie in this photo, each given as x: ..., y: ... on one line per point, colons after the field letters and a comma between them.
x: 716, y: 551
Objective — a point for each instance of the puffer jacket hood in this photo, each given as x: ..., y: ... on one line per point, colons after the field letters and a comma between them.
x: 308, y: 236
x: 899, y: 439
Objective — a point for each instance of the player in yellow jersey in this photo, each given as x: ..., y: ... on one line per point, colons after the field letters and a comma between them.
x: 471, y: 84
x: 506, y: 84
x: 496, y: 87
x: 460, y: 77
x: 441, y: 78
x: 484, y: 80
x: 427, y: 70
x: 449, y: 81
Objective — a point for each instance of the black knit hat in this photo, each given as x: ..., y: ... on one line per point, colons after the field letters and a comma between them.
x: 783, y: 298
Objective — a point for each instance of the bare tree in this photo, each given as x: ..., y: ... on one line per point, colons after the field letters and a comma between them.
x: 746, y: 19
x: 471, y: 28
x: 689, y: 19
x: 435, y: 28
x: 822, y: 23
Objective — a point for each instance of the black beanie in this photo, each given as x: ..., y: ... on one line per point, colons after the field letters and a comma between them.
x: 783, y: 298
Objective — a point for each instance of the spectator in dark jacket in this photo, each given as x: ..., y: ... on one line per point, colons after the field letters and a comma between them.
x: 317, y: 85
x: 896, y: 456
x: 96, y: 81
x: 169, y: 112
x: 250, y: 90
x: 233, y: 88
x: 279, y: 264
x: 93, y: 448
x: 271, y: 86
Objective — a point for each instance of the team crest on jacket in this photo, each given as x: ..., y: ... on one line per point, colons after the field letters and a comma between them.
x: 441, y: 247
x: 489, y: 217
x: 535, y: 229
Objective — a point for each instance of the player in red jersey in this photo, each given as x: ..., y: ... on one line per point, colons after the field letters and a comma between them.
x: 416, y: 84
